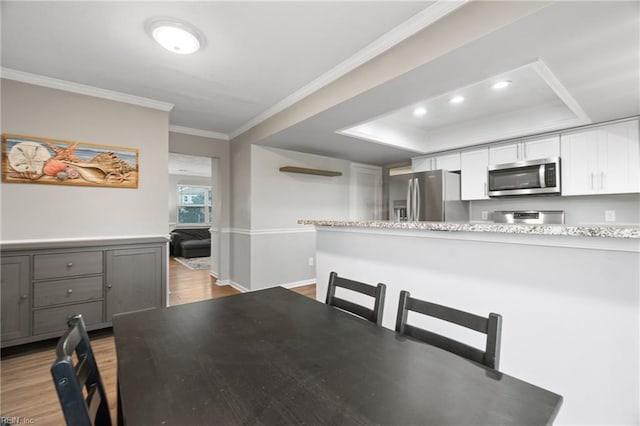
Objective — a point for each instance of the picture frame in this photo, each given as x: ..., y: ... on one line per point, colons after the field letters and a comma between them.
x: 38, y: 160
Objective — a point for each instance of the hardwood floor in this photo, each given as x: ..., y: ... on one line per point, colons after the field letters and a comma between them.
x: 26, y: 388
x: 186, y: 286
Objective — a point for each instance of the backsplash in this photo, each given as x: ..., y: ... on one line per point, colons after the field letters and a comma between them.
x: 579, y: 210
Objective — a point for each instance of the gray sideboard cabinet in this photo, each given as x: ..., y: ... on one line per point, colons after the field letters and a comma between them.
x: 15, y: 296
x: 43, y: 284
x: 132, y: 277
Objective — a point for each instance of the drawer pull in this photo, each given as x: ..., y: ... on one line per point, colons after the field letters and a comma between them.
x: 70, y: 291
x: 70, y: 264
x: 24, y: 297
x: 109, y: 286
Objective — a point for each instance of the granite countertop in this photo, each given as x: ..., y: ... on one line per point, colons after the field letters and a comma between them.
x: 608, y: 231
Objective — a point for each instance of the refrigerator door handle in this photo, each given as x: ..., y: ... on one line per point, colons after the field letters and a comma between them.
x: 409, y: 204
x: 416, y: 199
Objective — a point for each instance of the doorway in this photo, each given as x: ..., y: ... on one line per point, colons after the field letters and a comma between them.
x: 194, y: 212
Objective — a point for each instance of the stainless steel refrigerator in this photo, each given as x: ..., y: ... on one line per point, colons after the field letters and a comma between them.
x: 432, y: 196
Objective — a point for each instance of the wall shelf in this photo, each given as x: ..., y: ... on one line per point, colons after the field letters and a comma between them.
x: 318, y: 172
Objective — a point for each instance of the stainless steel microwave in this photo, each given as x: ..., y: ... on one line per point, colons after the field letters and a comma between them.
x: 536, y: 177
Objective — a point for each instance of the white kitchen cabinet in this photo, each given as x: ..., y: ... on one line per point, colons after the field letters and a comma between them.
x: 602, y: 160
x: 474, y: 174
x: 533, y: 149
x: 422, y: 164
x: 450, y: 162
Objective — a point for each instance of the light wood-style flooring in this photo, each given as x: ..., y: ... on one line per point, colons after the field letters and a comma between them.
x: 26, y: 388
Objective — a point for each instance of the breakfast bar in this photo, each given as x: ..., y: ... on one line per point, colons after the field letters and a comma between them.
x: 569, y: 296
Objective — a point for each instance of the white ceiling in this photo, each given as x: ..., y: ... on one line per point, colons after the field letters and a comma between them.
x: 592, y: 49
x: 255, y: 53
x: 534, y: 102
x: 259, y: 53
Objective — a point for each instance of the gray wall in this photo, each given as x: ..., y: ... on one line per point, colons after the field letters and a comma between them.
x: 60, y: 212
x: 240, y: 241
x: 268, y: 247
x: 280, y: 248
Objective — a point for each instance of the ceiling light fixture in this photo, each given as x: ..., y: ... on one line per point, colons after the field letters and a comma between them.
x: 502, y: 84
x: 175, y: 36
x: 420, y: 111
x: 457, y: 99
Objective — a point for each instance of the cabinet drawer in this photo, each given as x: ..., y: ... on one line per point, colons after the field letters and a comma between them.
x: 60, y: 265
x: 55, y: 319
x: 66, y: 291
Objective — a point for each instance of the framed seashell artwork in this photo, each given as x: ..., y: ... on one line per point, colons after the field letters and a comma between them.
x: 29, y: 159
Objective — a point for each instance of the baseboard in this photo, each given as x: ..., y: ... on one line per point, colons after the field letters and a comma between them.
x: 233, y: 284
x: 214, y: 274
x: 243, y: 289
x: 298, y: 283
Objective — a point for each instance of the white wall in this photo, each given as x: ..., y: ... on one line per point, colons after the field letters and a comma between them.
x: 570, y: 315
x: 58, y: 212
x: 578, y: 210
x: 280, y: 199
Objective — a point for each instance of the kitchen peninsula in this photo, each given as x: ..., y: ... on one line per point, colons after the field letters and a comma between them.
x: 569, y: 296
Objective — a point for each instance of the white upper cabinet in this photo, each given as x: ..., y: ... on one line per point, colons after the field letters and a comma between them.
x: 474, y: 174
x: 450, y: 162
x: 533, y: 149
x: 602, y: 160
x: 422, y: 164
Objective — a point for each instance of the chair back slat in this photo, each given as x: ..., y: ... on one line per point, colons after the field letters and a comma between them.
x: 354, y: 308
x: 446, y: 343
x: 464, y: 319
x: 491, y: 327
x: 377, y: 292
x: 69, y: 379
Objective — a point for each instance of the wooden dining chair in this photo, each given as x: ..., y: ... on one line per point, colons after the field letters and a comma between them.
x: 377, y: 292
x: 491, y: 326
x: 70, y: 379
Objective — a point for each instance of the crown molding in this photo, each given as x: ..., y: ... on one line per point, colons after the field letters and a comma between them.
x: 403, y: 31
x: 82, y: 89
x: 198, y: 132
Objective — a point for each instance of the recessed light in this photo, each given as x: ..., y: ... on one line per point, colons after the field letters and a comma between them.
x: 502, y: 84
x: 175, y: 36
x: 457, y: 99
x: 420, y: 111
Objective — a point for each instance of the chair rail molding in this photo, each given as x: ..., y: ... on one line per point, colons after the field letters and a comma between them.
x: 272, y: 231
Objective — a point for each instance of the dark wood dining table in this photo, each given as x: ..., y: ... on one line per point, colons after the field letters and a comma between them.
x: 275, y: 357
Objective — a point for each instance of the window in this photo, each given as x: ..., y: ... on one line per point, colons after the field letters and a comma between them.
x: 194, y: 205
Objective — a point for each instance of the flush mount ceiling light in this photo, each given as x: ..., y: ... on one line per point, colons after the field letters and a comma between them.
x: 174, y: 35
x: 501, y: 84
x: 420, y: 111
x: 457, y: 99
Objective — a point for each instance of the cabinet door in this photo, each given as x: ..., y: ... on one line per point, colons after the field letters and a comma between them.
x: 618, y: 158
x: 134, y: 279
x: 14, y: 285
x: 502, y: 154
x: 422, y: 164
x: 474, y: 174
x: 450, y: 162
x: 541, y: 148
x: 579, y: 163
